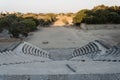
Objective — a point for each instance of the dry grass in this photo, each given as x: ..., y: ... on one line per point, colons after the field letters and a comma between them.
x: 61, y: 19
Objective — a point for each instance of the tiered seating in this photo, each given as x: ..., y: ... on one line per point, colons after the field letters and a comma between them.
x: 113, y: 51
x: 23, y: 53
x: 118, y: 52
x: 89, y: 50
x: 93, y: 50
x: 9, y: 57
x: 33, y: 50
x: 112, y: 54
x: 105, y: 45
x: 29, y: 49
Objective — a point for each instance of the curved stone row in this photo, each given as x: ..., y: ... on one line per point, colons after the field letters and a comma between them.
x: 9, y: 57
x: 113, y: 51
x: 23, y: 53
x: 89, y: 50
x: 109, y: 60
x: 33, y: 50
x: 117, y: 52
x: 98, y: 51
x: 112, y: 54
x: 103, y: 44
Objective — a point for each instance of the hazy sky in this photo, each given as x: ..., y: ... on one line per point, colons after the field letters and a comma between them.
x: 43, y: 6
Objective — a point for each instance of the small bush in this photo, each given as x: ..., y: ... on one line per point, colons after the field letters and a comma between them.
x: 29, y: 24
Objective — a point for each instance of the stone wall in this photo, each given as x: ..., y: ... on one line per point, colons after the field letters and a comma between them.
x: 62, y: 77
x: 99, y: 26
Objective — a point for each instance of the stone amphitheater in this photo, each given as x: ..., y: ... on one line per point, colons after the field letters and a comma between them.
x: 96, y: 60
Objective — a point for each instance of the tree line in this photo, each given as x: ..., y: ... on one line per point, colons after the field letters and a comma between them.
x: 98, y: 15
x: 21, y: 24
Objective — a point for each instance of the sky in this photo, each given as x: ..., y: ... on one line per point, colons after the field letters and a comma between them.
x: 52, y: 6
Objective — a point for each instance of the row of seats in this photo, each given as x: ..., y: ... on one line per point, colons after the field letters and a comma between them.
x: 31, y: 50
x: 97, y: 51
x: 109, y: 60
x: 114, y: 51
x: 23, y: 53
x: 111, y: 54
x: 9, y: 57
x: 89, y: 50
x: 26, y: 52
x: 103, y: 44
x: 11, y: 47
x: 103, y: 60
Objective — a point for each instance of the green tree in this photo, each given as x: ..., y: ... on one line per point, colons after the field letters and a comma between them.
x: 18, y: 28
x: 34, y: 19
x: 30, y: 24
x: 98, y: 15
x: 80, y: 16
x: 113, y: 17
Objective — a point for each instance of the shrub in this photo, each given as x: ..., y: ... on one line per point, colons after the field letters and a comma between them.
x: 17, y: 25
x: 34, y: 19
x: 80, y: 16
x: 98, y: 15
x: 29, y: 24
x: 113, y: 17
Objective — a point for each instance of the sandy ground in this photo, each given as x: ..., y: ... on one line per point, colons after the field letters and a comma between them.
x: 59, y: 67
x: 62, y: 37
x: 61, y: 19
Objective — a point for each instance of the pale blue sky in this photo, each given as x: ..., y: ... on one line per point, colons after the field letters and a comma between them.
x: 45, y: 6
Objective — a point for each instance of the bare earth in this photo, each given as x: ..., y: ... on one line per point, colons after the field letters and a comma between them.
x: 62, y: 37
